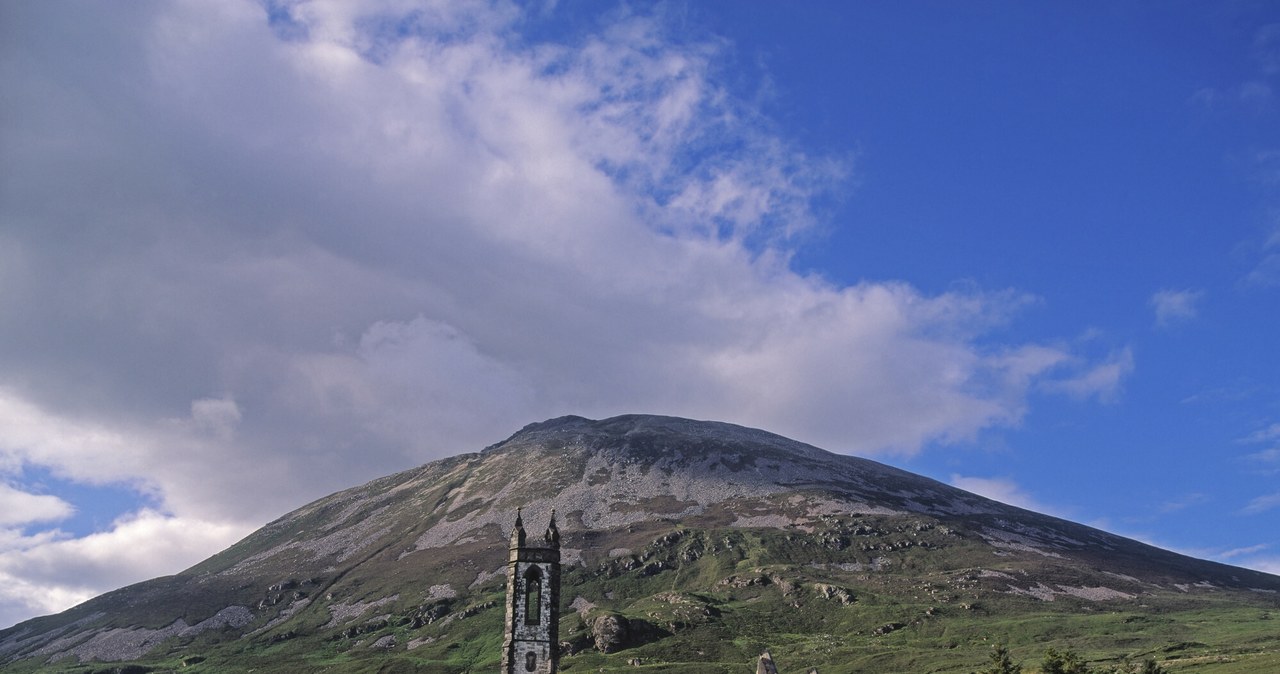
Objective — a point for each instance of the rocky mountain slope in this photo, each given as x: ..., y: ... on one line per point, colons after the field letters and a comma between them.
x: 688, y: 546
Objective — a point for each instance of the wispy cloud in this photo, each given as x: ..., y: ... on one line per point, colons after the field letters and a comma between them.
x: 1246, y: 556
x: 1250, y: 557
x: 1265, y: 564
x: 1266, y: 460
x: 1266, y: 455
x: 1238, y: 552
x: 1254, y: 94
x: 1266, y: 434
x: 1175, y: 306
x: 1102, y: 380
x: 1262, y: 504
x: 1000, y: 489
x: 1183, y: 503
x: 1266, y: 48
x: 1266, y: 271
x: 1254, y: 97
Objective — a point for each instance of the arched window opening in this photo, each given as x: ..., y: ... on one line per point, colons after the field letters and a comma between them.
x: 530, y: 661
x: 533, y: 597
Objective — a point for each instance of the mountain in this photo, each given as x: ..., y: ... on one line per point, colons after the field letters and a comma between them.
x: 688, y: 546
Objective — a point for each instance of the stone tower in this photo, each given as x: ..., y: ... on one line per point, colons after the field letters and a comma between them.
x: 765, y: 665
x: 531, y: 642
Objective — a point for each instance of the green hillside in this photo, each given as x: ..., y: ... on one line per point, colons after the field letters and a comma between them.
x: 688, y: 547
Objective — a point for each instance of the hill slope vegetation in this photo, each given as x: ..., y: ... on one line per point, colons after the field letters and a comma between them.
x: 688, y: 547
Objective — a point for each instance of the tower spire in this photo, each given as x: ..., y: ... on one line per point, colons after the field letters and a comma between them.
x: 553, y: 534
x: 517, y: 533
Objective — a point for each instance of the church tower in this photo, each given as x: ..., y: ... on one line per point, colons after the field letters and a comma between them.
x: 531, y: 642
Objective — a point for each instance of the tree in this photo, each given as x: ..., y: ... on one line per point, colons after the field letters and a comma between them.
x: 1001, y: 662
x: 1067, y: 662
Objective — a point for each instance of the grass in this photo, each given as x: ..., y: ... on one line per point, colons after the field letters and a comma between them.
x: 916, y: 600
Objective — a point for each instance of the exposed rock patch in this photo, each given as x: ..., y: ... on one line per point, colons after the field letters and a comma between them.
x: 1045, y: 593
x: 341, y: 612
x: 114, y: 645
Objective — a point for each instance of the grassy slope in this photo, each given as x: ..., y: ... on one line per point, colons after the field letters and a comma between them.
x: 870, y: 593
x: 724, y: 595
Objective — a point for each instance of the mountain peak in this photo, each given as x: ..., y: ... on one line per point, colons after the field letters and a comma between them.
x: 631, y: 424
x: 654, y: 436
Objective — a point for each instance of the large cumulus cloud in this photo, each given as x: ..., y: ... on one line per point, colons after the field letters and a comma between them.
x: 251, y: 254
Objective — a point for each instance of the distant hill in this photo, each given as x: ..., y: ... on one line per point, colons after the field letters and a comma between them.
x: 689, y: 546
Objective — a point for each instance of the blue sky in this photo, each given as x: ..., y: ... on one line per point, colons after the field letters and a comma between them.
x: 252, y: 254
x: 1098, y: 158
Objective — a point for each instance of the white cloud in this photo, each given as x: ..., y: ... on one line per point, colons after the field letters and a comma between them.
x: 1264, y: 564
x: 48, y: 573
x: 999, y: 489
x: 241, y: 263
x: 20, y: 507
x: 1175, y: 306
x: 420, y: 383
x: 87, y: 452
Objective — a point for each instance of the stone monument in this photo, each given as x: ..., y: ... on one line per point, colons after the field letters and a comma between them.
x: 531, y: 640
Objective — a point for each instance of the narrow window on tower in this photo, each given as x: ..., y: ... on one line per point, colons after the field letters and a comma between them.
x: 532, y: 597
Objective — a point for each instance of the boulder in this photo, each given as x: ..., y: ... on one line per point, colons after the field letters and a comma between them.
x: 612, y: 632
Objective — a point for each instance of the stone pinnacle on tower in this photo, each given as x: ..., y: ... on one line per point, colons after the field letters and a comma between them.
x: 553, y: 534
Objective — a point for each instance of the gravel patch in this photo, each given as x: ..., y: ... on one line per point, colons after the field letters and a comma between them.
x: 1039, y: 591
x: 571, y: 557
x: 342, y: 612
x: 423, y: 641
x: 440, y: 592
x: 20, y: 642
x: 1045, y: 593
x: 1095, y: 593
x: 764, y: 522
x: 581, y: 605
x: 484, y: 576
x: 1008, y: 540
x: 344, y: 543
x: 118, y: 644
x: 288, y: 612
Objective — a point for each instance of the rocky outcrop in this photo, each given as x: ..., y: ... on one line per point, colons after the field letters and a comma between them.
x: 611, y: 632
x: 834, y: 593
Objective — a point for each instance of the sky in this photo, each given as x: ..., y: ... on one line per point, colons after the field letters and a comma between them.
x: 252, y: 253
